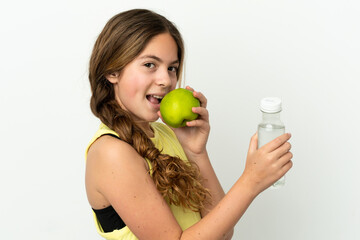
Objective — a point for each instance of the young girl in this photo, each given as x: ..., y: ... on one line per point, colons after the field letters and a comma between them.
x: 145, y: 180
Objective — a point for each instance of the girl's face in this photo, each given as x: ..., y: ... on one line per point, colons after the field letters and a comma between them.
x: 146, y: 80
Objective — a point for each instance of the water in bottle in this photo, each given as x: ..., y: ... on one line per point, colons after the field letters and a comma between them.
x: 271, y: 126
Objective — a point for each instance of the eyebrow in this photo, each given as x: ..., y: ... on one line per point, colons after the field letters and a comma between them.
x: 158, y: 59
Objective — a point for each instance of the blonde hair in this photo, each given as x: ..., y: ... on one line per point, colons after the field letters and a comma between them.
x: 123, y: 38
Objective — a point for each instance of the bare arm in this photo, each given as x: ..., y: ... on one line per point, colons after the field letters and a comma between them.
x: 263, y: 167
x: 212, y: 183
x: 220, y: 221
x: 118, y: 174
x: 193, y: 139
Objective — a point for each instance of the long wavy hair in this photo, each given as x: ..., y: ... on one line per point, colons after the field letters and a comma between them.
x: 123, y: 38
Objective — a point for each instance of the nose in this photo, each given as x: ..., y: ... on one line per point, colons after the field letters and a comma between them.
x: 163, y: 78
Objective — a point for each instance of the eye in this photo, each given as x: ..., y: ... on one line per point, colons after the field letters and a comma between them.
x: 149, y: 65
x: 173, y: 69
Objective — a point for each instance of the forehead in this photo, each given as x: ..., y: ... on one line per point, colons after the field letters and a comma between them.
x: 163, y: 46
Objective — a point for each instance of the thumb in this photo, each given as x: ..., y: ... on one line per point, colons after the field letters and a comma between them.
x: 159, y: 114
x: 253, y: 143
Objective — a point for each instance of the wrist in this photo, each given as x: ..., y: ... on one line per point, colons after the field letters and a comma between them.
x: 196, y: 157
x: 249, y: 186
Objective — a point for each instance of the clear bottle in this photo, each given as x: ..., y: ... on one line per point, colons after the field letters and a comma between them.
x: 271, y: 126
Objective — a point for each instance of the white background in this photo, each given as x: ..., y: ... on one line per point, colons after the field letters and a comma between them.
x: 306, y: 52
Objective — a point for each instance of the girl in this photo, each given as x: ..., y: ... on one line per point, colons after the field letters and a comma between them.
x: 143, y: 179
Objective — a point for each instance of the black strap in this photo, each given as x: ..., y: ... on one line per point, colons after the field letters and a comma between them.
x: 109, y: 219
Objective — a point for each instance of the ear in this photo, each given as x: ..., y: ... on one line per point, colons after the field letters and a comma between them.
x: 113, y: 77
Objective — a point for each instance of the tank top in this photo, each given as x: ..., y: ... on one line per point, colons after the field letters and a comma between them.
x: 165, y: 139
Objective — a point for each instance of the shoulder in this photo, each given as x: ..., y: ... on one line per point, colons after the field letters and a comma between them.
x: 102, y: 130
x: 109, y: 165
x: 116, y: 175
x: 110, y: 160
x: 108, y: 151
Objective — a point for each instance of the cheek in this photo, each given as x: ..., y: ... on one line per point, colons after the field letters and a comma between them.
x: 174, y: 83
x: 130, y: 88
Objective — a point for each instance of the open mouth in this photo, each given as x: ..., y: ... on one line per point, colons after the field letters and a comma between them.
x: 155, y: 99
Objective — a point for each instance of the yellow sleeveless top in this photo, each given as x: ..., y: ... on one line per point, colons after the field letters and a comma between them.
x: 165, y: 139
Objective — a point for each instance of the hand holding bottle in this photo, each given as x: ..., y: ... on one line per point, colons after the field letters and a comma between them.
x: 266, y: 165
x: 271, y: 126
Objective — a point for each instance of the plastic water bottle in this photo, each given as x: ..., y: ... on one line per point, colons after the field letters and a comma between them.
x: 271, y: 126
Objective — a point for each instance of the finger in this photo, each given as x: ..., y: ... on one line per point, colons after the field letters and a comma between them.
x: 201, y: 97
x: 160, y: 116
x: 198, y: 95
x: 253, y: 143
x: 285, y: 159
x: 189, y: 88
x: 287, y: 167
x: 277, y: 142
x: 197, y: 123
x: 203, y: 112
x: 283, y: 149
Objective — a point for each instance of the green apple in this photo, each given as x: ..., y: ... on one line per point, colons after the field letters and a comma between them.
x: 176, y: 107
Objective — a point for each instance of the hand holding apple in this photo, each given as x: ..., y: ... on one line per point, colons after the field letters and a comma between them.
x: 176, y: 107
x: 192, y: 138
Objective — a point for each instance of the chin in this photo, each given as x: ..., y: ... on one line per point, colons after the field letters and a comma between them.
x: 154, y: 119
x: 149, y: 118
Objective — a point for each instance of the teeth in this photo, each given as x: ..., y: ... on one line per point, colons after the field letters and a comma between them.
x: 158, y: 97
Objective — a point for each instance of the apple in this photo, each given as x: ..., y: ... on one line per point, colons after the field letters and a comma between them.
x: 176, y: 107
